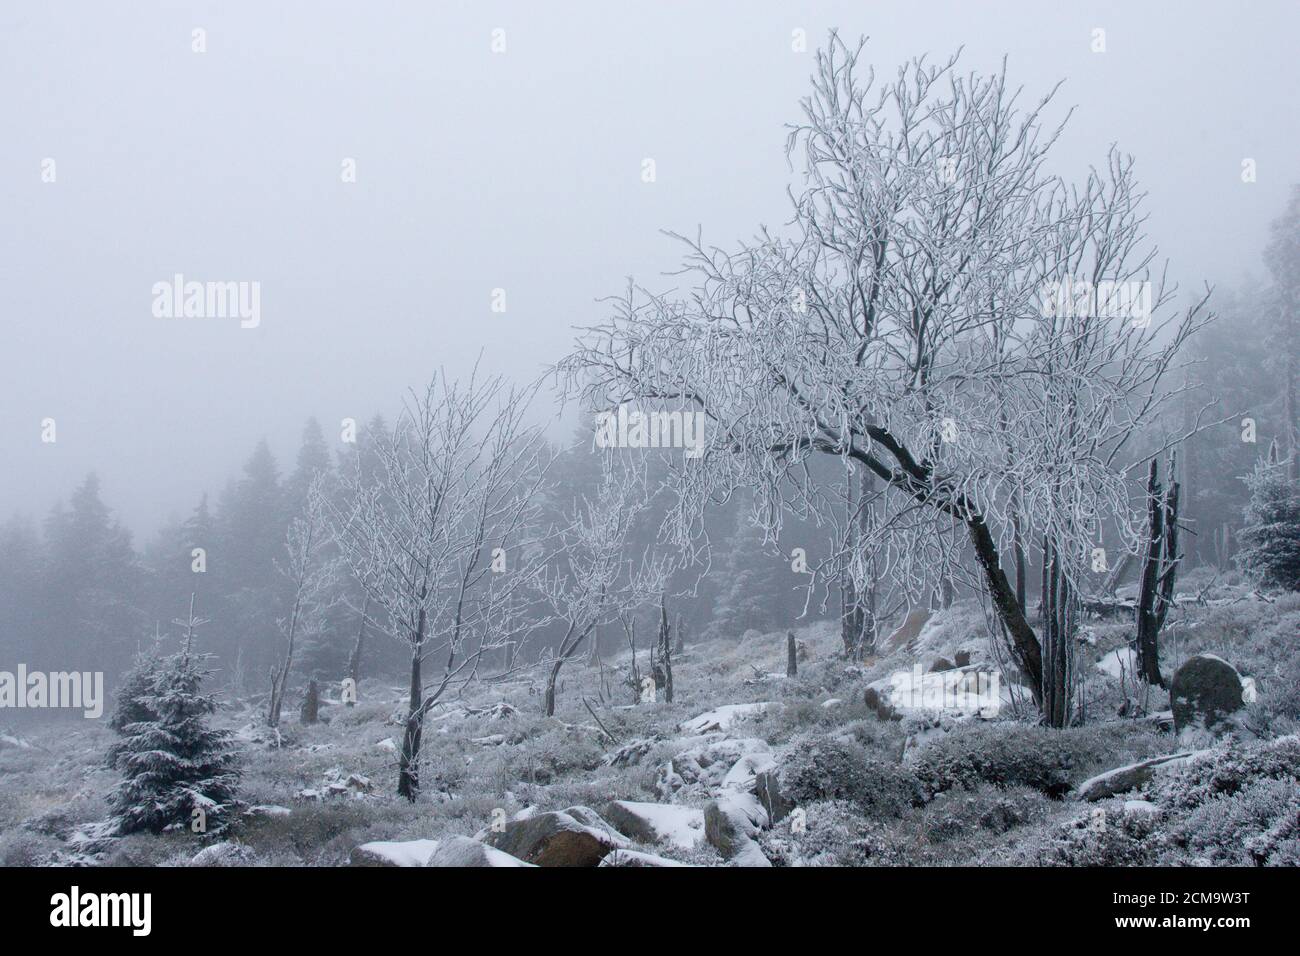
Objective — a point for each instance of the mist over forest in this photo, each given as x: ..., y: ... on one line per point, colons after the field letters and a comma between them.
x: 650, y: 437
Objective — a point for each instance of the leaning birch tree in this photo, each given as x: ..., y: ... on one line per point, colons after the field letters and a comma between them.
x: 982, y: 336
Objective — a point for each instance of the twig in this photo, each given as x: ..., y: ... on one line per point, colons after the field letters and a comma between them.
x: 614, y: 739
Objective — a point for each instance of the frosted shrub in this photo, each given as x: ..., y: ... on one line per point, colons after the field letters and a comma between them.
x: 828, y: 768
x: 832, y: 833
x: 1001, y: 755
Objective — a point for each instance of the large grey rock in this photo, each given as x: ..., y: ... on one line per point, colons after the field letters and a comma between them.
x: 462, y: 851
x: 1123, y: 779
x: 702, y: 769
x: 637, y: 858
x: 393, y: 853
x: 573, y: 837
x: 731, y: 823
x: 1204, y: 694
x: 767, y: 788
x: 657, y: 822
x: 227, y: 853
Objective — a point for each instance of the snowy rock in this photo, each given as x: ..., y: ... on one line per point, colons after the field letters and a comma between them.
x: 743, y: 772
x: 388, y: 745
x: 227, y: 853
x: 1204, y: 694
x: 767, y: 788
x: 1121, y: 662
x: 701, y: 769
x: 385, y: 853
x: 637, y: 858
x: 722, y: 718
x: 267, y: 810
x: 462, y: 851
x: 574, y: 837
x: 833, y: 702
x: 630, y: 753
x: 654, y: 822
x: 1123, y: 779
x: 731, y: 824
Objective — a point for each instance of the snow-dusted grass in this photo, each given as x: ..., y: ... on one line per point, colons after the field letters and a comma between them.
x: 990, y: 792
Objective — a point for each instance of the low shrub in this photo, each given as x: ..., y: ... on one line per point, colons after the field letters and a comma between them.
x: 831, y: 833
x: 818, y: 768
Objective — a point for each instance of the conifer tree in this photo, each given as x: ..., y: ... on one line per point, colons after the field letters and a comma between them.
x: 1271, y: 537
x: 178, y: 771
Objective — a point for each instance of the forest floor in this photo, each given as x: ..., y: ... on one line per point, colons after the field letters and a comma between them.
x: 927, y: 788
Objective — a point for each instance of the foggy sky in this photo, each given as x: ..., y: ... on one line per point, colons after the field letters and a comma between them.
x: 476, y: 171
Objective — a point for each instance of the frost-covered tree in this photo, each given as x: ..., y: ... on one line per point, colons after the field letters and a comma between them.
x: 435, y: 525
x: 309, y: 576
x: 593, y: 577
x: 1271, y: 538
x: 178, y: 771
x: 981, y: 335
x: 133, y: 698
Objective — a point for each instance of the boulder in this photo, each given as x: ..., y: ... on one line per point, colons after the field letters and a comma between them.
x: 767, y: 788
x: 721, y: 718
x: 390, y: 853
x: 1205, y: 694
x: 657, y: 822
x: 574, y: 837
x: 731, y: 822
x: 637, y: 858
x: 1123, y: 779
x: 462, y: 851
x: 702, y: 768
x: 744, y: 772
x: 228, y: 853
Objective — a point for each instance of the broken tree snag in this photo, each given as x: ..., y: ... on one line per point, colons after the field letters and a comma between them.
x: 791, y: 655
x: 665, y: 649
x: 1159, y: 568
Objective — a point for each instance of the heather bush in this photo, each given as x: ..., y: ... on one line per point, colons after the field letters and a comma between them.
x: 817, y: 768
x: 831, y: 833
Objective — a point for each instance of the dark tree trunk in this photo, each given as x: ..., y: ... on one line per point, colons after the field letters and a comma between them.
x: 1159, y: 570
x: 1059, y: 618
x: 408, y: 765
x: 310, y: 712
x: 1018, y: 548
x: 565, y: 653
x: 791, y: 655
x: 354, y: 659
x: 1024, y: 644
x: 665, y: 650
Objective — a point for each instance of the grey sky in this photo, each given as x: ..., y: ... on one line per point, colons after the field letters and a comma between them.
x: 476, y: 171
